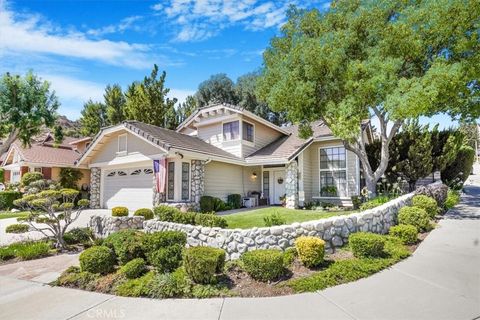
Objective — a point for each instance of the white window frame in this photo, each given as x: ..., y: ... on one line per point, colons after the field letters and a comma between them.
x: 35, y: 169
x: 239, y: 130
x: 189, y: 181
x: 17, y: 174
x: 122, y: 152
x: 332, y: 170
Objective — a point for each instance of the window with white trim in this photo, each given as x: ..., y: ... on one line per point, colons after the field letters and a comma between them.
x: 247, y: 131
x: 231, y: 130
x: 185, y: 181
x: 333, y: 172
x: 122, y: 143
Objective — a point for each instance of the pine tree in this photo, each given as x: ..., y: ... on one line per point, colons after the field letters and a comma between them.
x: 93, y: 118
x: 115, y: 103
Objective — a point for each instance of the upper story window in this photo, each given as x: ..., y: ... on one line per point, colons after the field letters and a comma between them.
x: 231, y: 130
x: 248, y: 131
x: 122, y: 143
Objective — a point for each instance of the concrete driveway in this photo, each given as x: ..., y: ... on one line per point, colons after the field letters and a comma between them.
x: 440, y: 281
x: 8, y: 238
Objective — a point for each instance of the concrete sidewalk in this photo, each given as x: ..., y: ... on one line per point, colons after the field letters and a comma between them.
x: 440, y: 281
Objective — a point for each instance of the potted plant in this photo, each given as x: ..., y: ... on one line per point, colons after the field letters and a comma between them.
x: 329, y: 191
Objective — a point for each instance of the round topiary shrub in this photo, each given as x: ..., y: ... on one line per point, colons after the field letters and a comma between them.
x: 414, y: 216
x: 427, y: 203
x: 119, y: 212
x: 157, y: 240
x: 166, y: 259
x: 144, y: 212
x: 407, y: 233
x: 30, y: 177
x: 17, y: 228
x: 311, y: 250
x: 97, y: 259
x: 127, y: 244
x: 165, y: 213
x: 202, y: 263
x: 366, y: 245
x: 78, y: 235
x: 134, y: 268
x: 264, y: 265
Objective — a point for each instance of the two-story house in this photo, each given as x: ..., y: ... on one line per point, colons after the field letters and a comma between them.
x: 219, y: 150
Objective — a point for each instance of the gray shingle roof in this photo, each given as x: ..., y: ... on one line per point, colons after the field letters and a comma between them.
x: 171, y: 139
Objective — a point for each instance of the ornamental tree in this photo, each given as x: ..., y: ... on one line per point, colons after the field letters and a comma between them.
x: 393, y: 61
x: 26, y: 104
x: 51, y: 212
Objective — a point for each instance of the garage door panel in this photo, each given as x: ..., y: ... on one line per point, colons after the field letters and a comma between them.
x: 131, y: 188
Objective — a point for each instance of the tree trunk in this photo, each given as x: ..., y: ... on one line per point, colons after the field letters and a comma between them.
x: 412, y: 185
x: 12, y: 136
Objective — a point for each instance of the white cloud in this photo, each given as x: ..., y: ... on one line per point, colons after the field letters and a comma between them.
x: 29, y: 34
x: 122, y: 26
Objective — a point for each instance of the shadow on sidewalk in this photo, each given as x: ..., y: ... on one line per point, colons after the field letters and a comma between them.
x: 469, y: 207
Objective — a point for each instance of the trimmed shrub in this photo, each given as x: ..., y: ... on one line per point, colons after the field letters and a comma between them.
x: 460, y: 168
x: 78, y: 235
x: 157, y: 240
x: 366, y: 245
x: 210, y: 220
x: 414, y: 216
x: 126, y: 244
x: 453, y: 198
x: 375, y: 202
x: 119, y: 212
x: 165, y: 213
x: 144, y: 212
x: 134, y: 268
x: 166, y: 259
x: 437, y: 191
x: 234, y: 201
x: 135, y: 287
x: 427, y: 203
x: 407, y: 233
x: 16, y: 228
x: 206, y: 204
x: 311, y: 250
x: 184, y: 217
x: 289, y: 256
x: 97, y: 259
x: 30, y: 177
x: 264, y: 265
x: 202, y: 263
x: 7, y: 198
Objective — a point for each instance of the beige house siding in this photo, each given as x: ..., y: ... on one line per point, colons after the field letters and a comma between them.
x: 263, y: 136
x: 84, y: 180
x: 352, y: 173
x: 307, y: 174
x: 135, y: 145
x: 222, y: 179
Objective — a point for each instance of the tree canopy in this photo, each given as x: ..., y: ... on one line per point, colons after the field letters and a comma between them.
x: 394, y: 60
x: 26, y: 104
x: 115, y: 103
x: 218, y: 88
x: 93, y: 118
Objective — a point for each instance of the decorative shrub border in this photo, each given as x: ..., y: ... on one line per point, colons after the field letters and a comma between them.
x: 334, y: 231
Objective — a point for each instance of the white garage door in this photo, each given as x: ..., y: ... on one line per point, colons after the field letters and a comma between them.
x: 131, y: 188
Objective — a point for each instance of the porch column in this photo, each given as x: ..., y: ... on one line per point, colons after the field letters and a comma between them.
x: 197, y: 185
x: 95, y: 177
x: 291, y: 185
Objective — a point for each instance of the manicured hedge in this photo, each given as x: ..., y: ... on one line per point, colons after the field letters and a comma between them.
x: 16, y: 228
x: 209, y: 204
x: 427, y: 203
x: 366, y: 245
x: 453, y: 198
x: 407, y: 233
x: 97, y: 259
x: 202, y: 263
x: 144, y: 212
x: 234, y: 201
x: 119, y: 212
x: 311, y: 250
x: 126, y: 244
x: 460, y: 168
x: 164, y: 249
x: 78, y: 235
x: 7, y: 198
x: 264, y: 265
x: 171, y: 214
x: 30, y: 177
x: 414, y: 216
x: 134, y: 268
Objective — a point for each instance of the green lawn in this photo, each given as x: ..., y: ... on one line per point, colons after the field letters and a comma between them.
x: 254, y: 218
x: 8, y: 214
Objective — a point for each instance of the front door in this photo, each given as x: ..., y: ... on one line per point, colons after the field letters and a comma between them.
x: 278, y: 186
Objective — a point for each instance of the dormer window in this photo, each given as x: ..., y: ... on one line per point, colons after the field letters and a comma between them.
x: 248, y: 131
x: 231, y: 130
x: 122, y: 143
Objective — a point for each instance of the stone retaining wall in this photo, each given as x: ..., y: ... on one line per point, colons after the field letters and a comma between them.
x: 104, y: 225
x: 334, y: 230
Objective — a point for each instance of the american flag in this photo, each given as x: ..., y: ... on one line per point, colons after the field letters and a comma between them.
x: 160, y: 171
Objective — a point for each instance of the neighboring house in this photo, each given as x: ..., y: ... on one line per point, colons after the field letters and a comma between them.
x: 45, y: 156
x: 219, y: 150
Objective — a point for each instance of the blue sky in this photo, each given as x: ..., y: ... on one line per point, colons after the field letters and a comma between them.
x: 81, y: 46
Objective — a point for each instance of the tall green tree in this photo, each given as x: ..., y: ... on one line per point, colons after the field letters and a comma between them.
x: 26, y: 104
x: 186, y: 108
x: 445, y: 146
x: 246, y: 95
x: 147, y: 101
x: 217, y: 89
x: 58, y: 135
x: 393, y: 61
x: 93, y: 118
x: 115, y: 103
